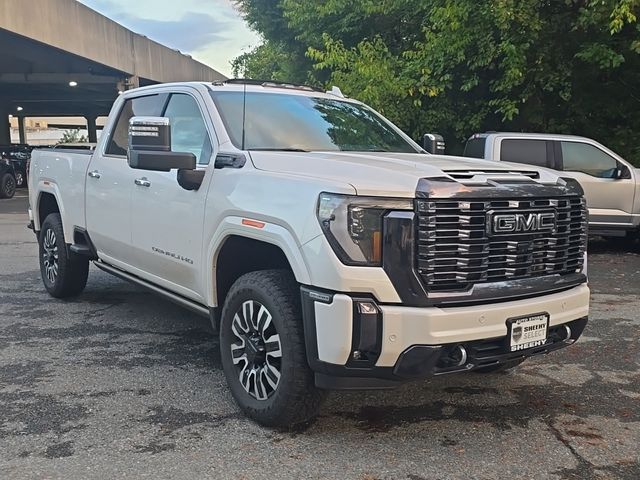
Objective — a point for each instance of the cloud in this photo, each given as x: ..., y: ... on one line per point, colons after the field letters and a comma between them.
x: 190, y: 32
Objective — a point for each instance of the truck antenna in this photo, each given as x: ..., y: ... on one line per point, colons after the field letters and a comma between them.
x: 244, y: 111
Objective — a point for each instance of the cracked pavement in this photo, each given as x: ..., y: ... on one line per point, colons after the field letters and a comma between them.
x: 120, y: 383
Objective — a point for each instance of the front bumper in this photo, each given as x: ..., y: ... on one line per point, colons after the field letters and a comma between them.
x: 349, y: 349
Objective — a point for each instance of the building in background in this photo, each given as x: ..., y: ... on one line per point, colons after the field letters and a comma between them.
x: 49, y: 130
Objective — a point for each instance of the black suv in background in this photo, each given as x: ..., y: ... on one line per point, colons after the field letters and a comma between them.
x: 7, y: 177
x: 19, y: 155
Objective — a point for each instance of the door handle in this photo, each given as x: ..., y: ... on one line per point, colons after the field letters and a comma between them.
x: 94, y: 174
x: 143, y: 182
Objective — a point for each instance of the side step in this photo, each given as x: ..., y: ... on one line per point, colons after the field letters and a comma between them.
x: 172, y: 297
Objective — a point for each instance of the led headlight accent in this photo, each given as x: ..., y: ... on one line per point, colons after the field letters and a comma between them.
x: 353, y: 225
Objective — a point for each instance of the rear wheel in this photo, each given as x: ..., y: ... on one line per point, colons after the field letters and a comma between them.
x: 7, y: 186
x: 500, y: 367
x: 64, y: 274
x: 263, y: 352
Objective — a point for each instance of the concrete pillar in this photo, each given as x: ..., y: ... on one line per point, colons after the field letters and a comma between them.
x: 91, y: 128
x: 23, y: 135
x: 5, y: 127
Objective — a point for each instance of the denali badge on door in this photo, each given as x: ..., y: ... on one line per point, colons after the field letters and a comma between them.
x: 527, y: 332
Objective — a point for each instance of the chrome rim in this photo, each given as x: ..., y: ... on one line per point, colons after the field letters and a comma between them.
x: 50, y: 255
x: 256, y: 353
x: 19, y: 179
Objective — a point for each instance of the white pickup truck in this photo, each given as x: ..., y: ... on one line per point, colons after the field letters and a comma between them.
x: 611, y: 184
x: 327, y: 248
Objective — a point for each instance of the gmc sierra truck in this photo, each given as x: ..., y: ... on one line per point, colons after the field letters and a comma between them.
x: 327, y: 248
x: 611, y: 184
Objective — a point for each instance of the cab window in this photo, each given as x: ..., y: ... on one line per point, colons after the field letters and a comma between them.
x: 188, y: 130
x: 585, y: 158
x: 147, y: 106
x: 531, y: 152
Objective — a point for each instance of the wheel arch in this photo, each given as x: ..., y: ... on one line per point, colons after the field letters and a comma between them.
x: 238, y: 248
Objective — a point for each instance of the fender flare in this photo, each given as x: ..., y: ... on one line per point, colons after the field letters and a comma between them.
x: 263, y: 231
x: 50, y: 187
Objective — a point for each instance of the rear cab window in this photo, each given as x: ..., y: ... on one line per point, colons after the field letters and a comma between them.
x: 525, y: 150
x: 146, y: 106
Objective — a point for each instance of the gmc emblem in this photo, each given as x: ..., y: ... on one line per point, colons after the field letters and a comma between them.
x: 503, y: 223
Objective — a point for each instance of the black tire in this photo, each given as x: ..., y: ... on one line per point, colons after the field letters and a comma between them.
x: 500, y: 367
x: 64, y: 274
x: 7, y: 186
x: 294, y: 399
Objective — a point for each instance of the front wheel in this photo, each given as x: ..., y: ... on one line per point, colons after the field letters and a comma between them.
x: 263, y: 351
x: 64, y: 273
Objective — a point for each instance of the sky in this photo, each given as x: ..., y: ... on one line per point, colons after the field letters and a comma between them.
x: 211, y: 31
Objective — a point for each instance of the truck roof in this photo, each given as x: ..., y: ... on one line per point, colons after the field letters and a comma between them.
x: 254, y: 86
x: 550, y: 136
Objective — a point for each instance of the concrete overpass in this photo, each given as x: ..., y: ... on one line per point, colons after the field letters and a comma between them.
x: 60, y: 58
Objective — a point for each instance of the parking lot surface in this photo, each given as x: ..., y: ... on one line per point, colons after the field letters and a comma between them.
x: 119, y: 383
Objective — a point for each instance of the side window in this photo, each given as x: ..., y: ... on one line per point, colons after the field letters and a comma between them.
x: 188, y: 130
x: 585, y: 158
x: 531, y: 152
x: 150, y: 105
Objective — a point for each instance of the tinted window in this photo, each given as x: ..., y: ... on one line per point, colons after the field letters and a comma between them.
x: 531, y: 152
x: 475, y: 147
x: 582, y: 157
x: 188, y: 131
x: 276, y: 121
x: 150, y: 105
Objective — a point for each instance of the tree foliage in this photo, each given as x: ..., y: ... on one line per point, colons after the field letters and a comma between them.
x: 72, y: 136
x: 462, y: 66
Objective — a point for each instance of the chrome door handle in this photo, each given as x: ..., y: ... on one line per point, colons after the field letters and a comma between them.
x: 143, y: 182
x: 94, y: 174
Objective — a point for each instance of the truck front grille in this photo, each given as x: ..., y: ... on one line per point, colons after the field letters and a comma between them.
x: 456, y: 247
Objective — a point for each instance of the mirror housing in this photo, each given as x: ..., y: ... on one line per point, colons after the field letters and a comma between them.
x: 433, y: 143
x: 622, y: 172
x: 150, y: 146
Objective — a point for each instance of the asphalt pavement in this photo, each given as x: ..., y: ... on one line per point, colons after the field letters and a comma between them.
x: 119, y: 383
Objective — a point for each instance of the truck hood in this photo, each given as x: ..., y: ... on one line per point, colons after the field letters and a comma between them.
x: 382, y: 174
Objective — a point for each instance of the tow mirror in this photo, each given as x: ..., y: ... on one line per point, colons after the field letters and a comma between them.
x: 150, y: 146
x: 433, y: 143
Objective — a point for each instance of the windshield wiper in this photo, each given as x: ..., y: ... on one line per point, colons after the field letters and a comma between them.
x: 278, y: 150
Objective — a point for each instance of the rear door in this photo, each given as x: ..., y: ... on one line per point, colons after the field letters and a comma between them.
x: 109, y: 183
x: 609, y: 198
x: 168, y: 220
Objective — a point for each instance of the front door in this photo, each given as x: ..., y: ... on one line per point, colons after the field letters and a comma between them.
x: 167, y: 219
x: 109, y: 184
x: 609, y: 198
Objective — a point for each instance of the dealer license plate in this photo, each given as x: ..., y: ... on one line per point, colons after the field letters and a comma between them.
x: 527, y: 332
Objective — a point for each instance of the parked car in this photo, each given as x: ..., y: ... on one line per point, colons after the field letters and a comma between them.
x: 328, y: 250
x: 19, y: 155
x: 7, y: 178
x: 611, y: 184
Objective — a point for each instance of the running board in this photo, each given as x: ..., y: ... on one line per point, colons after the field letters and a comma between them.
x: 172, y: 297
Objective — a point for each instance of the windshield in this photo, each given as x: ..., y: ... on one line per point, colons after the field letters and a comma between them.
x: 277, y: 121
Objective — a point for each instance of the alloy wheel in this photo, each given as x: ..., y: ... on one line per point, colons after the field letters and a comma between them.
x: 50, y: 255
x: 257, y: 352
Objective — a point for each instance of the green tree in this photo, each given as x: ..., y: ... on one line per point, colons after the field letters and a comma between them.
x: 461, y: 66
x: 72, y: 136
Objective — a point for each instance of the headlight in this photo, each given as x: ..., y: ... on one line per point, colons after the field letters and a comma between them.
x: 353, y: 225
